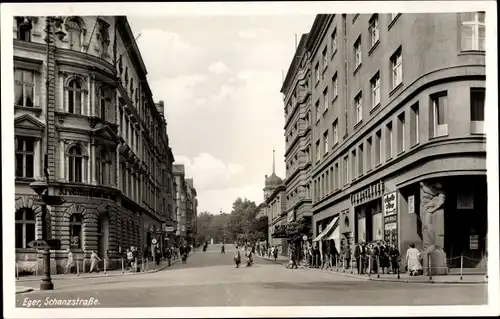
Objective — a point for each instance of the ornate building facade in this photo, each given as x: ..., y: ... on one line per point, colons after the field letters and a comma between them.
x: 398, y: 132
x: 108, y: 151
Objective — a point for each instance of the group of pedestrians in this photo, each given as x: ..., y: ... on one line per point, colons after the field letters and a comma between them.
x: 370, y: 257
x: 248, y: 251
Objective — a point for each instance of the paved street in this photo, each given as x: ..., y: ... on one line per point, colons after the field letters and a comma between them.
x: 210, y: 279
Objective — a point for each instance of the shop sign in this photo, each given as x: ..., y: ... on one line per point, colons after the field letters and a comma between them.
x: 474, y: 242
x: 465, y: 201
x: 391, y: 236
x: 390, y: 219
x: 370, y: 193
x: 391, y: 226
x: 389, y: 204
x: 411, y: 204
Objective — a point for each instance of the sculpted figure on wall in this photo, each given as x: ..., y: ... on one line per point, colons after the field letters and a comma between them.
x: 432, y: 216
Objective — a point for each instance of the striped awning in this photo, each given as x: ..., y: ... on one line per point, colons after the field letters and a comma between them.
x: 327, y: 230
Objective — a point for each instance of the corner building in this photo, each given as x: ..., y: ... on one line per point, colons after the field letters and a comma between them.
x: 398, y: 108
x: 108, y: 151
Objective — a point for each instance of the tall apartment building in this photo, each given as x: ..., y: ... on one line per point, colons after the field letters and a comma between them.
x: 191, y: 210
x: 108, y: 152
x: 398, y: 120
x: 296, y: 90
x: 181, y: 203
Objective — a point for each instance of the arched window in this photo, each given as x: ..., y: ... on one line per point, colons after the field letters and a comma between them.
x: 25, y: 227
x: 75, y: 164
x: 101, y: 97
x: 103, y: 167
x: 75, y: 97
x: 75, y: 231
x: 104, y: 42
x: 75, y: 34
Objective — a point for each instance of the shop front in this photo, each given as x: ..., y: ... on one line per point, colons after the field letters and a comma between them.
x: 449, y: 214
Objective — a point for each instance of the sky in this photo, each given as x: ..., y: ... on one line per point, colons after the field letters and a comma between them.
x: 220, y: 79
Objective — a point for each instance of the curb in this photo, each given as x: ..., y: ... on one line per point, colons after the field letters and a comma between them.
x: 104, y: 275
x: 402, y: 280
x: 21, y: 290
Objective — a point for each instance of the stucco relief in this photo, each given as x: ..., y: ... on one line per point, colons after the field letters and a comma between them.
x: 432, y: 216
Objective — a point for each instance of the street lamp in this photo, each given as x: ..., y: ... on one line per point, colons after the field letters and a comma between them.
x: 41, y: 188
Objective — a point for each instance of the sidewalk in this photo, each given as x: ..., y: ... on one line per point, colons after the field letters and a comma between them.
x: 405, y: 278
x: 152, y: 268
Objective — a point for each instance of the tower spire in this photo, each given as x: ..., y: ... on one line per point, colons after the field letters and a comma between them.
x: 273, y: 160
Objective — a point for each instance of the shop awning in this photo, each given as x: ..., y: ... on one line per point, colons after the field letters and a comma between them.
x: 335, y: 236
x: 327, y: 230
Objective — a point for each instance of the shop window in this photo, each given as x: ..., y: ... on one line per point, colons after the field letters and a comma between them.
x: 25, y: 227
x: 25, y: 154
x: 477, y: 109
x: 414, y: 123
x: 24, y: 88
x: 75, y: 229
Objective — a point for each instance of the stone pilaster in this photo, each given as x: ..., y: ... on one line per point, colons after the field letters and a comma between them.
x: 50, y: 109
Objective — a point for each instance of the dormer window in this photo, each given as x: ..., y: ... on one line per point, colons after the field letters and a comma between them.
x: 74, y: 28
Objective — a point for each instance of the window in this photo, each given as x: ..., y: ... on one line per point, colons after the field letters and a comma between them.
x: 24, y: 27
x: 101, y: 97
x: 414, y: 122
x: 353, y: 164
x: 74, y: 32
x: 75, y: 164
x: 369, y: 154
x: 473, y: 31
x: 316, y: 72
x: 375, y: 85
x: 103, y: 165
x: 325, y: 58
x: 358, y: 104
x: 374, y: 30
x: 335, y: 86
x: 317, y: 111
x: 325, y: 141
x: 337, y: 176
x: 357, y: 53
x: 75, y: 92
x: 388, y: 140
x: 477, y: 97
x: 439, y: 113
x: 378, y: 147
x: 25, y: 228
x: 360, y: 160
x: 325, y: 99
x: 318, y: 154
x: 25, y: 154
x: 335, y: 129
x: 104, y: 42
x: 75, y: 231
x: 401, y: 132
x: 24, y: 84
x: 397, y: 68
x: 334, y: 41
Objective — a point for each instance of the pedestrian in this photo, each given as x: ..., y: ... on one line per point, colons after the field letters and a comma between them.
x: 294, y: 258
x: 223, y: 249
x: 94, y: 261
x: 168, y: 256
x: 71, y: 262
x: 413, y: 260
x: 183, y: 250
x: 383, y: 251
x: 157, y: 256
x: 237, y: 257
x: 275, y: 253
x: 395, y: 258
x: 248, y: 254
x: 130, y: 257
x: 359, y: 254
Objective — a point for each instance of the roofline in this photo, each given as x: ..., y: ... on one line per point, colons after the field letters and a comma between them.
x: 321, y: 22
x: 293, y: 68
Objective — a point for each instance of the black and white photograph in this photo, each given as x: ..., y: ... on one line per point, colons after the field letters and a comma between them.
x: 250, y: 159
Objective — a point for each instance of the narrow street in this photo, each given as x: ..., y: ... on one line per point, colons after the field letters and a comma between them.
x: 210, y: 279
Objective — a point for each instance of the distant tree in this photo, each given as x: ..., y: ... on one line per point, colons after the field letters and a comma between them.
x: 203, y: 225
x: 260, y: 228
x: 242, y: 218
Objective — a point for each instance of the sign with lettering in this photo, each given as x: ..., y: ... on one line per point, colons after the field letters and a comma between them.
x: 411, y: 204
x: 391, y: 236
x: 389, y: 204
x: 39, y: 244
x: 390, y: 219
x: 465, y: 201
x: 391, y: 226
x: 474, y: 242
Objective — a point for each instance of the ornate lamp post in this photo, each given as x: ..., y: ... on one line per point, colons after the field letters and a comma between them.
x: 42, y: 187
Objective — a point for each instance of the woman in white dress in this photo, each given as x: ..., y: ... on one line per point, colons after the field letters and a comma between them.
x: 94, y: 259
x: 413, y: 260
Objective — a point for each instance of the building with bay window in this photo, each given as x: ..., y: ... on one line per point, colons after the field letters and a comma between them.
x: 108, y: 150
x: 398, y: 121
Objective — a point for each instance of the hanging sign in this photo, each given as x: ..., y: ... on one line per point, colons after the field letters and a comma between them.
x: 389, y: 204
x: 474, y: 242
x: 411, y: 204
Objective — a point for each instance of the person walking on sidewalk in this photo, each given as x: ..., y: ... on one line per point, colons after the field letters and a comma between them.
x: 237, y: 257
x: 395, y: 258
x: 168, y: 256
x: 275, y: 253
x: 71, y: 262
x: 294, y: 258
x: 184, y: 253
x: 94, y: 261
x: 413, y: 260
x: 223, y: 249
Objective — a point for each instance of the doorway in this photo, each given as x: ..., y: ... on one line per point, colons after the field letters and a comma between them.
x: 103, y: 237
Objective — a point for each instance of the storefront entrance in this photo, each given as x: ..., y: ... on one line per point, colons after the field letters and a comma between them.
x: 369, y: 226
